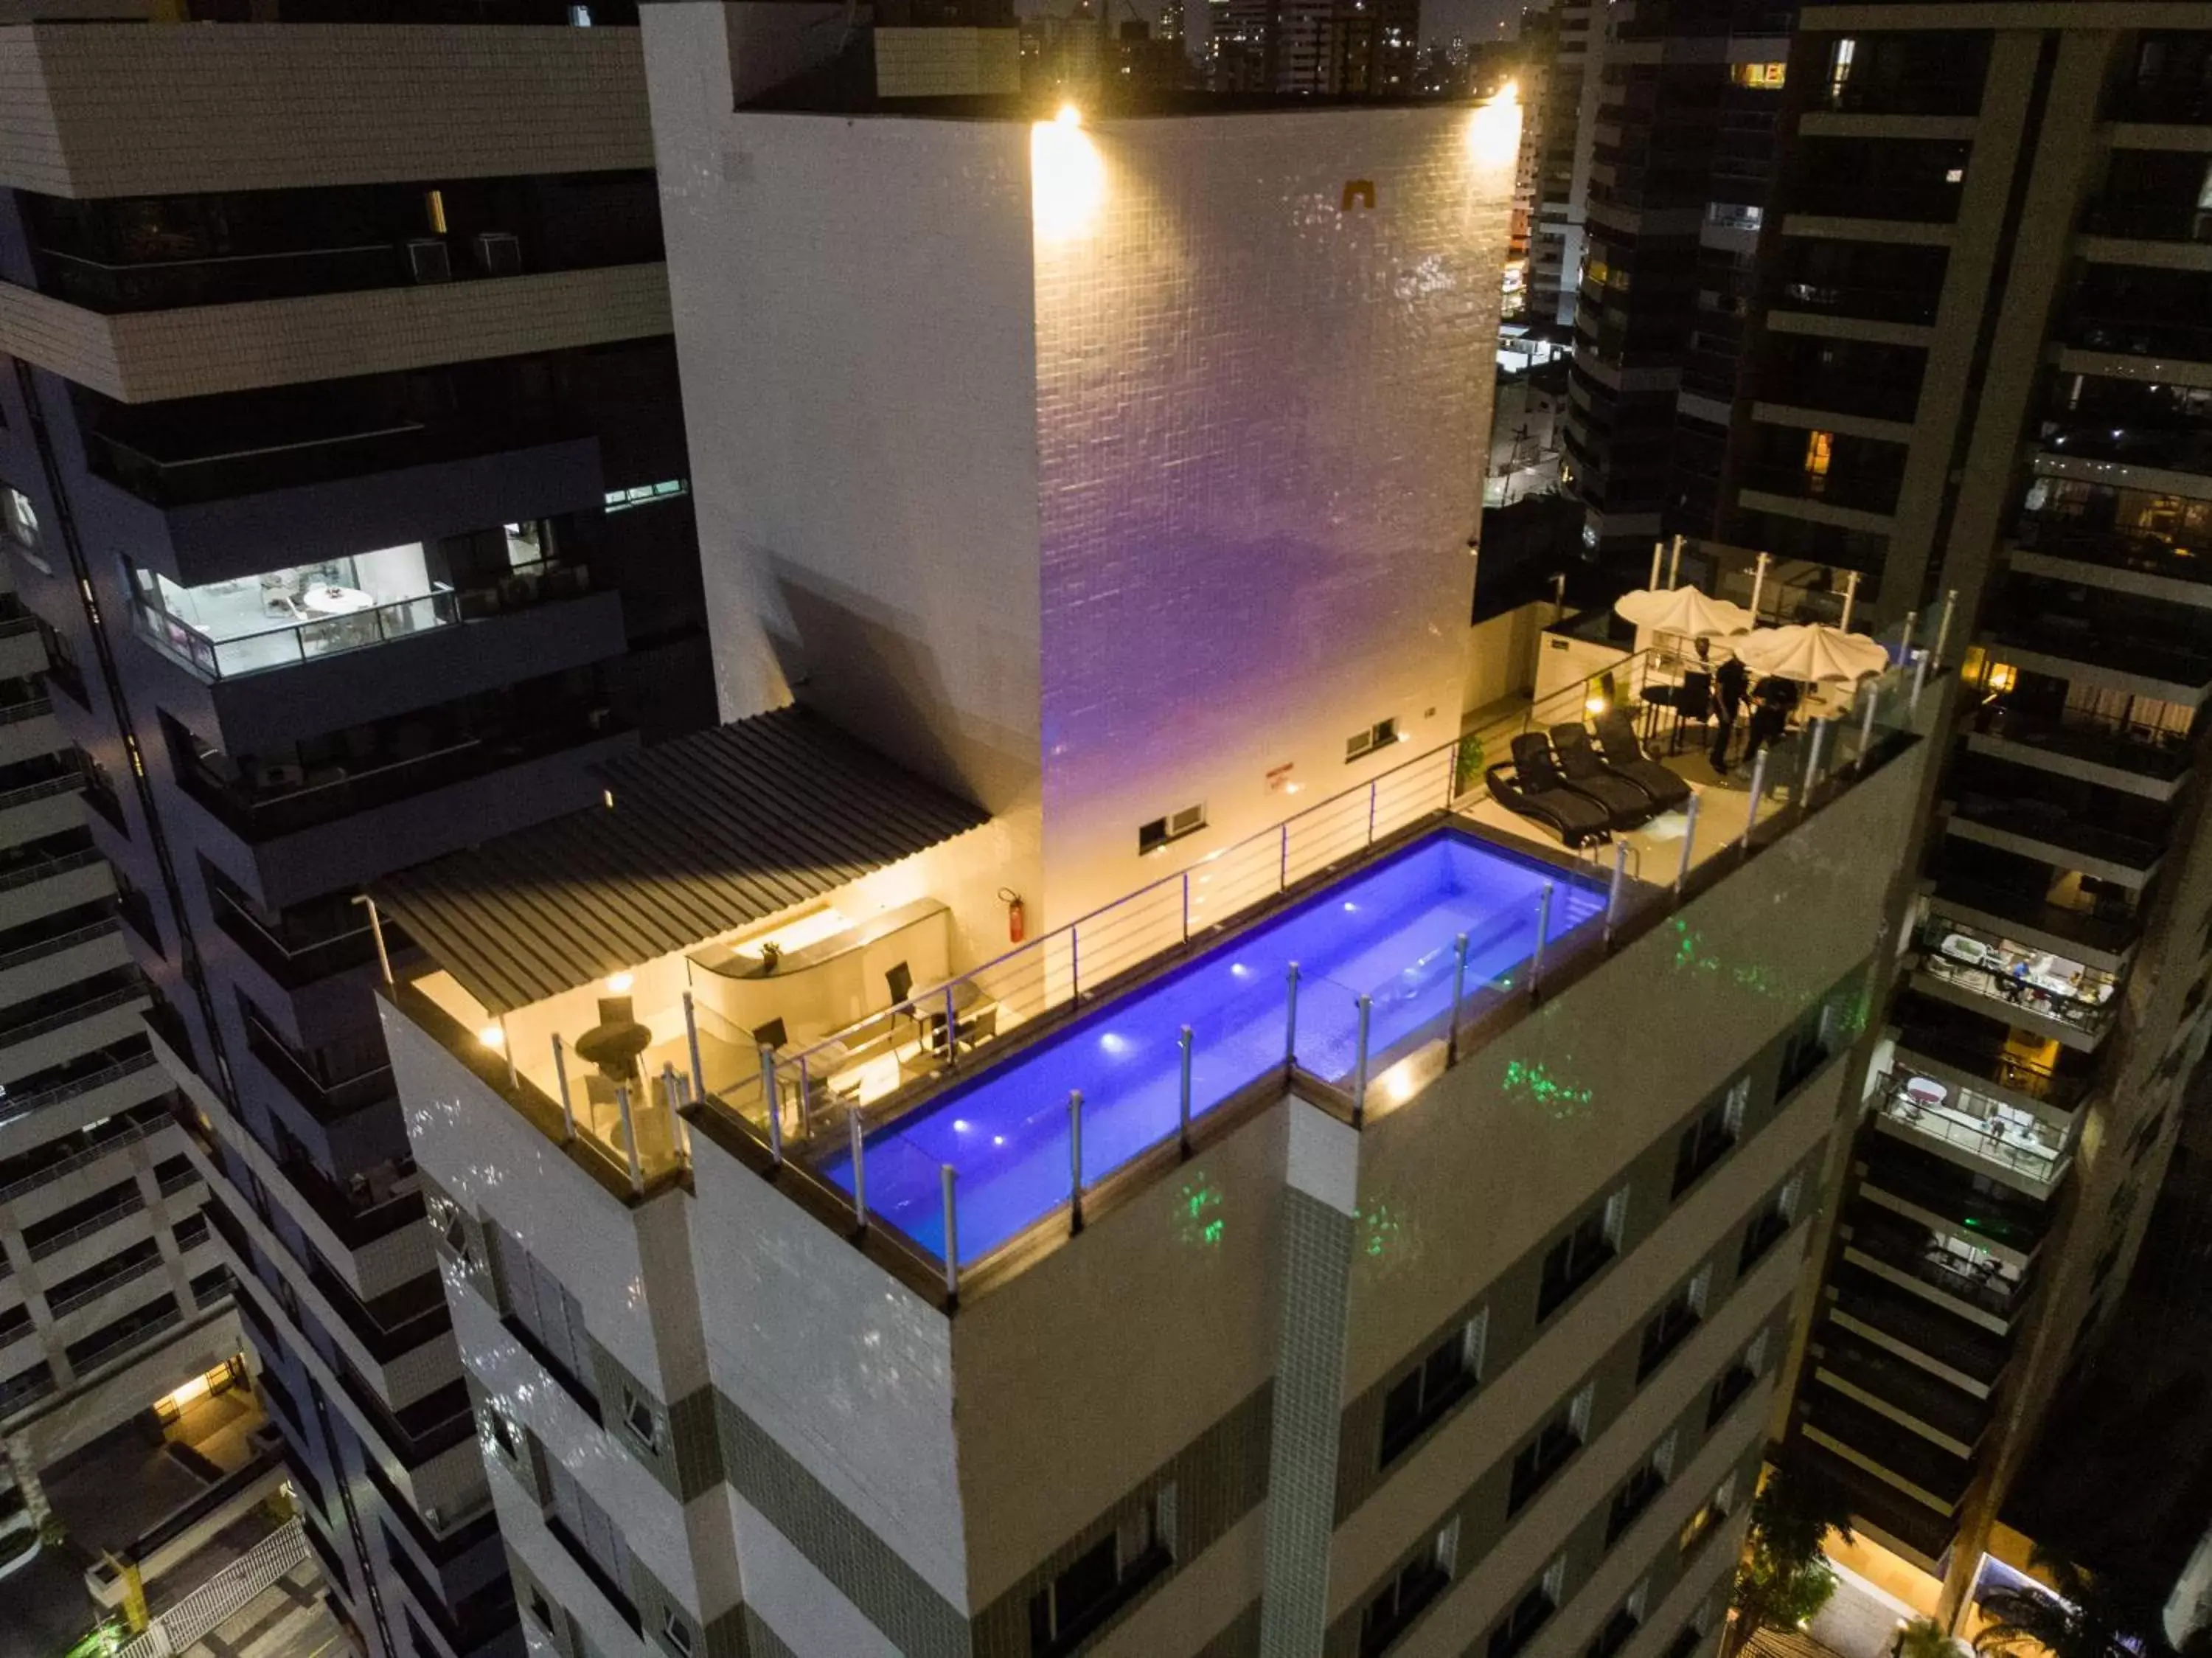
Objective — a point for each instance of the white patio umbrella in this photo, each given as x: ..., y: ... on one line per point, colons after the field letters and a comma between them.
x: 1685, y: 611
x: 1810, y: 651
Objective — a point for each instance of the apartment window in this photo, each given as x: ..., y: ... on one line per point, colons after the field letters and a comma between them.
x: 1103, y: 1578
x: 1674, y: 1324
x: 1418, y: 1400
x: 502, y: 1434
x: 1709, y: 1139
x: 1820, y: 449
x: 1737, y: 1380
x: 1577, y: 1257
x: 1713, y: 1510
x: 1549, y: 1451
x: 1637, y: 1492
x: 1391, y: 1612
x: 541, y: 1609
x: 1768, y: 1226
x: 637, y: 1417
x: 591, y: 1539
x: 1623, y: 1624
x: 1839, y: 69
x: 1379, y: 735
x: 1151, y: 837
x: 675, y: 1633
x: 17, y: 519
x: 551, y: 1317
x: 1764, y: 77
x: 646, y: 495
x: 1531, y: 1612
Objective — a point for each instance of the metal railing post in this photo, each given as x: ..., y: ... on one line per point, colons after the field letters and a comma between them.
x: 672, y: 1089
x: 376, y: 933
x: 946, y: 1175
x: 691, y: 1041
x: 951, y: 1034
x: 1905, y: 636
x: 1543, y: 931
x: 1370, y: 811
x: 1183, y: 1043
x: 1612, y: 892
x: 1074, y: 967
x: 1291, y: 1020
x: 1943, y: 626
x: 1459, y: 988
x: 1283, y: 863
x: 1819, y: 733
x: 1359, y: 1071
x: 561, y: 1076
x: 772, y: 1101
x: 1075, y: 1159
x: 630, y: 1138
x: 1689, y: 846
x: 507, y: 1051
x: 1758, y: 789
x: 859, y: 1171
x: 1866, y: 724
x: 1920, y: 675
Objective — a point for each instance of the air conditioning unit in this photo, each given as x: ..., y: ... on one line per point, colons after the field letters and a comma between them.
x: 429, y: 261
x: 498, y: 253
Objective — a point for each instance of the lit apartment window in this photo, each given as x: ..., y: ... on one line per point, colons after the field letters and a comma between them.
x: 18, y: 519
x: 1709, y: 1139
x: 1820, y: 447
x: 1103, y: 1578
x: 1378, y: 736
x: 1581, y: 1254
x: 645, y: 495
x: 1556, y: 1441
x: 1391, y: 1611
x: 1420, y: 1399
x: 1531, y: 1612
x: 1713, y: 1510
x: 1839, y: 69
x: 546, y: 1313
x: 1765, y: 77
x: 1151, y: 837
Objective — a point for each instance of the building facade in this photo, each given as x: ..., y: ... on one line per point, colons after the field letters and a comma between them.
x: 1566, y: 129
x: 1976, y: 379
x: 342, y: 441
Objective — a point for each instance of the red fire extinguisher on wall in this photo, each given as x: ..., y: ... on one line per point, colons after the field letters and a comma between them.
x: 1017, y: 915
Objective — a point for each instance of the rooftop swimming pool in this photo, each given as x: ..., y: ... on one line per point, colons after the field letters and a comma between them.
x: 1389, y: 932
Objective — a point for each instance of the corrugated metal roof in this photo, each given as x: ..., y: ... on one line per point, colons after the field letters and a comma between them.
x: 706, y: 834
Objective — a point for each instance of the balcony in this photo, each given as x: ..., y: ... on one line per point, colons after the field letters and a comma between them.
x: 1969, y: 1050
x: 329, y: 1101
x: 1943, y: 1268
x: 1935, y: 1194
x: 2138, y: 334
x: 2146, y: 760
x: 28, y: 731
x: 2030, y: 990
x: 97, y: 1086
x: 1907, y: 1327
x: 151, y: 356
x: 68, y: 1156
x: 2102, y: 935
x: 303, y: 834
x: 59, y: 1028
x: 2043, y: 829
x: 32, y: 811
x: 201, y: 506
x: 1977, y: 1133
x: 2067, y: 547
x: 1915, y: 1465
x: 1883, y: 1383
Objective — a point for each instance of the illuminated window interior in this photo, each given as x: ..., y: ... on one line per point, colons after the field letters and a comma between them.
x: 1818, y: 447
x: 1766, y: 76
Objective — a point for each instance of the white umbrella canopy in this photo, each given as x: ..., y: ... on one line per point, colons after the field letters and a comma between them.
x: 1681, y: 610
x: 1810, y: 651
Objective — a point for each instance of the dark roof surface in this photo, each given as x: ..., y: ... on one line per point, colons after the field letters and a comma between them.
x: 706, y: 834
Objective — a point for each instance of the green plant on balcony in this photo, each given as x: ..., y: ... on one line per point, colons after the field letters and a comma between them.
x: 1466, y: 764
x: 2093, y: 1615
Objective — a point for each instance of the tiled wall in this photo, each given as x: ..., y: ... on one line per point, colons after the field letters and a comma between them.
x: 89, y: 110
x: 150, y: 356
x: 1264, y: 371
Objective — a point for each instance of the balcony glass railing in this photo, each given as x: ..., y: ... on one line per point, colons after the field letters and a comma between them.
x: 1992, y: 1130
x: 868, y: 1118
x: 288, y: 643
x: 2149, y: 749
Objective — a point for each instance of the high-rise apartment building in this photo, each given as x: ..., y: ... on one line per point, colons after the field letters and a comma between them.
x: 896, y: 1193
x: 1979, y: 372
x: 1325, y: 48
x: 1688, y: 101
x: 344, y: 447
x: 1573, y: 31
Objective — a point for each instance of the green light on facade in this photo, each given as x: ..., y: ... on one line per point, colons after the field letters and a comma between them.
x: 1202, y: 1223
x: 1380, y: 1231
x: 1551, y: 1094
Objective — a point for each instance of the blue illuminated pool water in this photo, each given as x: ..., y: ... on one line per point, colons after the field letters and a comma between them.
x: 1389, y: 932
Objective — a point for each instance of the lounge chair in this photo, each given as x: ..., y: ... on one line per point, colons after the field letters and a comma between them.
x: 1630, y: 804
x: 1531, y: 787
x: 1616, y: 740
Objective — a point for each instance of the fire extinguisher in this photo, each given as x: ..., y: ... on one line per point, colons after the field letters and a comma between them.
x: 1017, y: 915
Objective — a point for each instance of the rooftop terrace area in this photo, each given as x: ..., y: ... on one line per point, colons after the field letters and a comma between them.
x: 1352, y: 954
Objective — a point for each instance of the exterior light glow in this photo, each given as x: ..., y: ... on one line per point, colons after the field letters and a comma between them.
x: 1594, y: 705
x: 1493, y: 132
x: 492, y: 1037
x: 1067, y: 179
x: 620, y: 982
